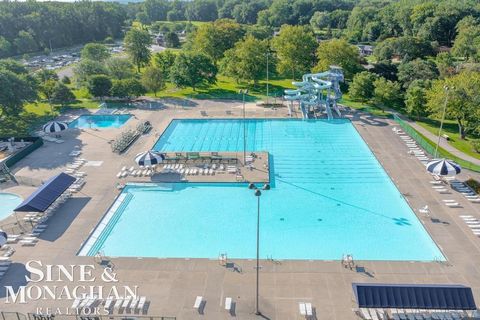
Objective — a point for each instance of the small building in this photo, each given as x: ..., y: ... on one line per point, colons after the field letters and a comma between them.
x: 365, y: 50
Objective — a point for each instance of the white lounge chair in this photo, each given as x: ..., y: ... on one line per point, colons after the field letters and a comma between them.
x: 308, y: 306
x: 453, y: 204
x: 365, y: 314
x: 108, y: 303
x: 118, y: 303
x: 198, y: 302
x: 126, y: 302
x: 76, y: 303
x: 228, y: 303
x: 302, y: 308
x: 141, y: 303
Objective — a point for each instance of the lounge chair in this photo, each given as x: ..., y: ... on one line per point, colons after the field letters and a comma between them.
x: 452, y: 204
x: 26, y: 243
x: 141, y: 303
x: 76, y: 303
x: 365, y: 314
x: 228, y: 303
x: 118, y: 303
x: 302, y: 308
x: 424, y: 210
x: 134, y: 303
x: 108, y: 303
x: 198, y: 302
x: 126, y: 302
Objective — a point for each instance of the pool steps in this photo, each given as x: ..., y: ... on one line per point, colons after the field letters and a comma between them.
x: 103, y: 229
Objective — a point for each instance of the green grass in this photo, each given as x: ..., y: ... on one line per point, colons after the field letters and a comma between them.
x: 451, y: 129
x: 227, y: 88
x: 363, y: 106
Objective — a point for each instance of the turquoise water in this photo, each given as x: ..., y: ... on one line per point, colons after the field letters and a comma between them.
x: 8, y: 203
x: 100, y: 121
x: 329, y: 197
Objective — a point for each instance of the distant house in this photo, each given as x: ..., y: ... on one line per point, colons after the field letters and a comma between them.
x: 365, y: 50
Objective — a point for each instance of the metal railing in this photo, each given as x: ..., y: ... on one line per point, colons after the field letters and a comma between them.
x: 429, y: 146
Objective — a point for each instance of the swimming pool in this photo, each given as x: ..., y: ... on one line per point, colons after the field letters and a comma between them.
x: 8, y: 202
x: 100, y: 121
x: 329, y: 197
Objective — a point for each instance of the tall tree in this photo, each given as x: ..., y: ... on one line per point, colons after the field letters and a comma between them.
x: 338, y: 52
x: 417, y: 69
x: 95, y: 51
x: 462, y: 103
x: 62, y: 94
x: 15, y: 91
x: 99, y: 85
x: 164, y: 61
x: 387, y: 94
x: 362, y: 87
x: 247, y: 60
x: 137, y: 44
x: 153, y: 79
x: 193, y: 70
x: 416, y: 98
x: 295, y: 47
x: 119, y: 68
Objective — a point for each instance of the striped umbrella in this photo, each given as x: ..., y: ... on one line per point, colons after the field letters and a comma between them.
x: 3, y: 238
x: 149, y: 158
x: 55, y: 126
x: 443, y: 167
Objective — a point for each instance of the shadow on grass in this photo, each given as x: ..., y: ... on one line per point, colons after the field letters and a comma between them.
x: 218, y: 93
x: 449, y: 127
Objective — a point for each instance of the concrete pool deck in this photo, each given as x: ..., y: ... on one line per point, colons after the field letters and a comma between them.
x: 171, y: 285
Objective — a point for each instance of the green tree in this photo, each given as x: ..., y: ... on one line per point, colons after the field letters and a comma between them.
x: 202, y: 10
x: 387, y: 94
x: 362, y: 87
x: 135, y: 87
x: 25, y: 42
x: 320, y: 20
x: 338, y: 52
x: 416, y: 98
x: 119, y: 68
x: 153, y: 79
x: 5, y: 48
x: 295, y: 47
x: 44, y: 75
x: 95, y: 51
x: 417, y: 69
x: 137, y: 44
x: 467, y: 42
x: 15, y: 91
x: 66, y: 80
x: 46, y: 88
x: 445, y: 64
x: 86, y: 68
x: 247, y: 60
x: 406, y: 48
x: 62, y: 94
x: 463, y: 99
x: 193, y: 70
x: 213, y: 39
x: 99, y: 85
x: 164, y: 61
x: 171, y: 40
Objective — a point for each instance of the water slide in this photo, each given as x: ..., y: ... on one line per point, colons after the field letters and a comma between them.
x: 317, y: 92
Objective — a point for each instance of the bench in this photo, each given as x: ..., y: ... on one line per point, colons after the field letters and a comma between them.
x: 228, y: 303
x: 198, y: 302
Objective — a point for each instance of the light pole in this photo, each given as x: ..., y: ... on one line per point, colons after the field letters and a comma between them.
x: 244, y: 92
x: 257, y: 194
x: 447, y: 90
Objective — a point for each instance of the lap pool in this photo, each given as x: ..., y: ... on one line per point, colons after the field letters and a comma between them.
x: 329, y: 196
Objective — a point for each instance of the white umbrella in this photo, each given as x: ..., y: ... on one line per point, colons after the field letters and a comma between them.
x: 443, y: 167
x: 55, y: 126
x: 149, y: 158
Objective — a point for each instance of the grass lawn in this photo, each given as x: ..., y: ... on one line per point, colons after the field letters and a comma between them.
x: 227, y: 88
x: 451, y: 129
x: 362, y: 106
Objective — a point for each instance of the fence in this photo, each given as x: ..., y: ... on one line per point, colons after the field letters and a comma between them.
x: 429, y: 146
x: 36, y: 143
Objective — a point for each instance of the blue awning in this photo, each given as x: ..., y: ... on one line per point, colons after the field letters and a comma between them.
x: 412, y: 296
x: 46, y: 194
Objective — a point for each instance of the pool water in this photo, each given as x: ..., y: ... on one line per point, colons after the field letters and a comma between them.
x: 100, y: 121
x: 329, y: 197
x: 8, y: 202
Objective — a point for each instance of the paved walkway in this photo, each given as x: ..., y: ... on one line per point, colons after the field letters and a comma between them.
x: 443, y: 143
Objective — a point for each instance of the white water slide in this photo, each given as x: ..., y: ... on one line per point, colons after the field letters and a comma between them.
x: 317, y: 93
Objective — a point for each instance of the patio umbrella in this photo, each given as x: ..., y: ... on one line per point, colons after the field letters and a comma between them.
x: 149, y: 158
x: 443, y: 167
x: 3, y: 238
x: 55, y: 126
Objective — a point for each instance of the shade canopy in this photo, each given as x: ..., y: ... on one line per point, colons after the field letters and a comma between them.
x: 46, y: 194
x: 410, y: 296
x: 3, y: 238
x: 149, y: 158
x: 443, y: 167
x: 55, y: 126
